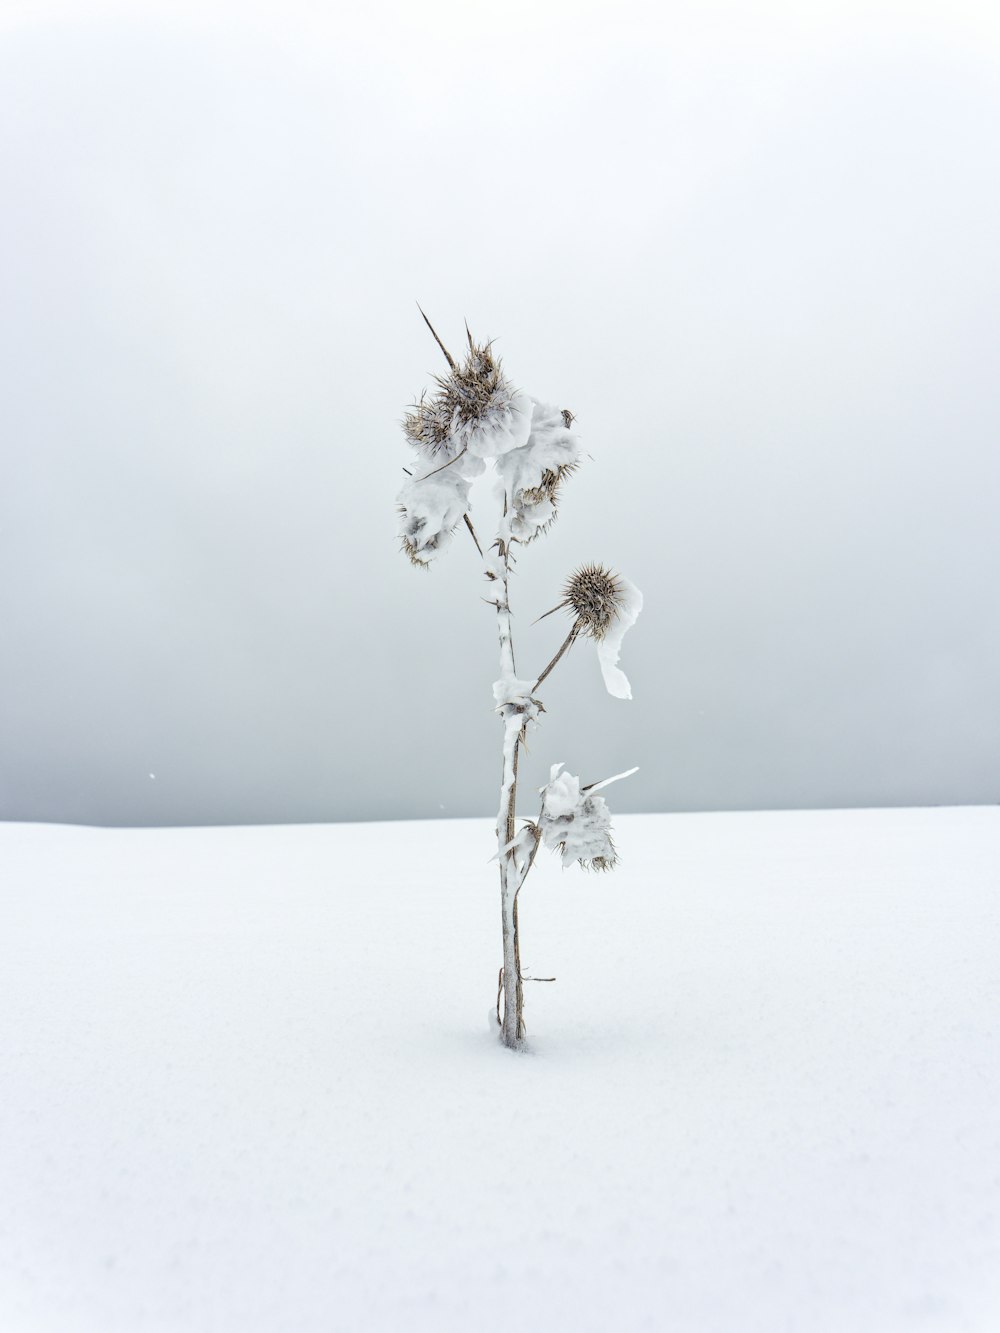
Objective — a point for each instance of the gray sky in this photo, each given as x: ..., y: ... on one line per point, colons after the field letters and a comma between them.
x: 752, y: 246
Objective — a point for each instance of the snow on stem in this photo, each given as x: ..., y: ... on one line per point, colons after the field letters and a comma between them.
x: 512, y: 1028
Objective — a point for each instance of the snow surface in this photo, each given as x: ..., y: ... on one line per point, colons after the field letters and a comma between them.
x: 248, y: 1082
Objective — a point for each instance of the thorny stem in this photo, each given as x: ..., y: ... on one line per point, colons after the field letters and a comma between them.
x: 513, y: 875
x: 517, y: 964
x: 510, y: 879
x: 503, y: 612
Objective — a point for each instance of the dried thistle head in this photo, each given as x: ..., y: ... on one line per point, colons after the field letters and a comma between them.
x: 602, y: 863
x: 428, y: 424
x: 534, y: 474
x: 429, y: 509
x: 576, y: 823
x: 595, y: 595
x: 544, y: 496
x: 608, y: 858
x: 548, y: 489
x: 476, y: 387
x: 407, y: 541
x: 411, y: 551
x: 473, y: 392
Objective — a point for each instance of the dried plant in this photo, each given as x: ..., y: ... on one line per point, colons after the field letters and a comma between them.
x: 474, y: 418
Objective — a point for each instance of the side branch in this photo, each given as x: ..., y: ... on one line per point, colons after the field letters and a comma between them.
x: 570, y: 637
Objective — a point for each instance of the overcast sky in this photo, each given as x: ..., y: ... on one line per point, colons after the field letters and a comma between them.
x: 753, y: 247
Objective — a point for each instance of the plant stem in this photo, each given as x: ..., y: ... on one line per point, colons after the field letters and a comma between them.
x: 568, y: 644
x: 513, y: 1018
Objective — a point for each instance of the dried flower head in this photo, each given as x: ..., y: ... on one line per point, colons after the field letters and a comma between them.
x: 430, y: 508
x: 477, y: 386
x: 419, y: 556
x: 535, y: 508
x: 428, y: 425
x: 595, y: 595
x: 603, y: 863
x: 474, y: 398
x: 576, y: 822
x: 532, y: 476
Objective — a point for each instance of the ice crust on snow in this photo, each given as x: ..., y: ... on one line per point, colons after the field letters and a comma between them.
x: 609, y: 648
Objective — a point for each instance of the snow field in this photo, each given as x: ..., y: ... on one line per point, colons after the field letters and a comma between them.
x: 247, y: 1080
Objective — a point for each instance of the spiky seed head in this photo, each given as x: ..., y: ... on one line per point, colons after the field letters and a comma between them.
x: 595, y: 595
x: 476, y: 382
x: 408, y: 546
x: 602, y: 864
x: 410, y: 551
x: 426, y: 424
x: 546, y: 491
x: 577, y: 823
x: 552, y: 479
x: 472, y: 391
